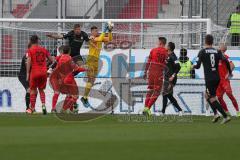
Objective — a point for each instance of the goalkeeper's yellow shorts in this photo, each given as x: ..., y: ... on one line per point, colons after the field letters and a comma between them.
x: 92, y: 64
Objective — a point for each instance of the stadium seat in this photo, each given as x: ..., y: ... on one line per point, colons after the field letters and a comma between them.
x: 7, y: 47
x: 132, y: 10
x: 21, y: 10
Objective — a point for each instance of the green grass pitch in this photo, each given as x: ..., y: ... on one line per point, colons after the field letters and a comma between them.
x: 39, y: 137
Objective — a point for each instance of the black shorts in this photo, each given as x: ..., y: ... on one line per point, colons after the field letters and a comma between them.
x: 168, y: 86
x: 211, y: 87
x: 23, y: 81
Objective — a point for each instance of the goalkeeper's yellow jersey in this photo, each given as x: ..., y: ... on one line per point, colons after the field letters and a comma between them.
x: 95, y: 45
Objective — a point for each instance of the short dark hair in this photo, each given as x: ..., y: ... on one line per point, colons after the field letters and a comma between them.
x: 76, y: 26
x: 183, y: 52
x: 171, y: 46
x: 94, y: 27
x: 209, y: 39
x: 34, y: 39
x: 163, y: 40
x: 66, y: 49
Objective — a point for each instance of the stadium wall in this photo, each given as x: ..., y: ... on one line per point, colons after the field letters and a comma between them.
x: 190, y: 93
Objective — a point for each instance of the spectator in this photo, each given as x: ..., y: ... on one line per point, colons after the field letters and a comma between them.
x: 234, y: 25
x: 186, y: 70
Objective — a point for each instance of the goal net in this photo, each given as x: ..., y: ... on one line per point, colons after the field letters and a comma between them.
x: 122, y: 59
x: 134, y: 33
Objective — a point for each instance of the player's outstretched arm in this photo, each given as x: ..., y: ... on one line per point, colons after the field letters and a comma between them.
x: 147, y: 65
x: 55, y: 36
x: 109, y: 38
x: 102, y: 37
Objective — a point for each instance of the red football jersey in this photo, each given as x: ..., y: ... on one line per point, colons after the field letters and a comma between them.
x: 157, y: 61
x: 222, y: 69
x: 38, y: 57
x: 66, y: 67
x: 158, y: 55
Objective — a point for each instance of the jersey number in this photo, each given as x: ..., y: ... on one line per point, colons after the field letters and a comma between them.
x: 161, y: 58
x: 40, y: 57
x: 212, y: 59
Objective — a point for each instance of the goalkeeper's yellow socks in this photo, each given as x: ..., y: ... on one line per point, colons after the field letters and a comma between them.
x: 87, y: 90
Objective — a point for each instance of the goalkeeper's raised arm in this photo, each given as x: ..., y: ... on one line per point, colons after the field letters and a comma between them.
x: 103, y: 37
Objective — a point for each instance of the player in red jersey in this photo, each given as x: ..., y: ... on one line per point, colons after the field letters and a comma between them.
x: 55, y: 81
x: 54, y: 77
x: 224, y: 85
x: 154, y: 71
x: 37, y: 72
x: 62, y: 78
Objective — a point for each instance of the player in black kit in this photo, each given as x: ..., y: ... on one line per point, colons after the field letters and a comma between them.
x: 170, y: 79
x: 210, y: 57
x: 75, y: 38
x: 23, y: 80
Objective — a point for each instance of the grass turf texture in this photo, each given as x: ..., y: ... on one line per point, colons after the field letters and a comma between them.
x: 40, y: 137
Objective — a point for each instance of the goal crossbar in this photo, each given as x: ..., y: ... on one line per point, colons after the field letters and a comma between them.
x: 28, y: 20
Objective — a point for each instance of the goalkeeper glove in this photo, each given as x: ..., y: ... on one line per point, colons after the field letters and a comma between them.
x: 105, y: 28
x: 110, y: 29
x: 110, y: 26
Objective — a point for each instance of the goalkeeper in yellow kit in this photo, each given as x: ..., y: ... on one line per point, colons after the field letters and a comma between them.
x: 95, y: 46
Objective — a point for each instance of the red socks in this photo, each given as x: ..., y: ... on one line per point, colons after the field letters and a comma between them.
x: 42, y: 97
x: 33, y: 98
x: 68, y: 103
x: 54, y: 100
x: 232, y: 98
x: 223, y: 104
x: 148, y: 96
x: 234, y: 101
x: 151, y: 99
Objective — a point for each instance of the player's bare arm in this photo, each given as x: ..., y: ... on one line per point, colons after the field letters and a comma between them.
x: 55, y: 36
x: 147, y: 66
